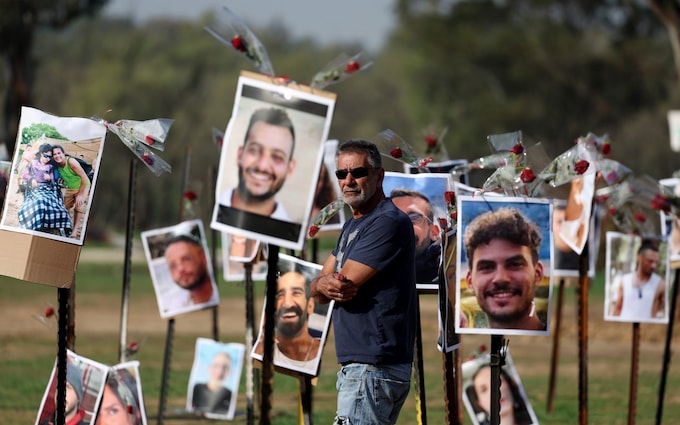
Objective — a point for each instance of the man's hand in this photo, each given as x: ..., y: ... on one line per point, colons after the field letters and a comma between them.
x: 333, y: 287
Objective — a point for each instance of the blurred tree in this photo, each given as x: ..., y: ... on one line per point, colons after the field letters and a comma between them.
x: 669, y: 13
x: 19, y: 21
x: 553, y: 69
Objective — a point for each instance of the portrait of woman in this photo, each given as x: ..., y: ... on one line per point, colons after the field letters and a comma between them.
x: 514, y: 407
x: 121, y: 403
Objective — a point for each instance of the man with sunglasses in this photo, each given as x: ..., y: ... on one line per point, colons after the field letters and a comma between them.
x: 428, y: 250
x: 371, y: 277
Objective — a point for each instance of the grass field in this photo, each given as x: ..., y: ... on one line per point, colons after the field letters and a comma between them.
x: 29, y: 349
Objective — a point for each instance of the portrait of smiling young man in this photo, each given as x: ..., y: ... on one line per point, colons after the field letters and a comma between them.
x: 274, y: 140
x: 504, y: 271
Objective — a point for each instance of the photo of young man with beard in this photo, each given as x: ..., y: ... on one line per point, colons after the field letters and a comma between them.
x: 297, y: 345
x: 508, y: 259
x: 272, y: 145
x: 180, y: 268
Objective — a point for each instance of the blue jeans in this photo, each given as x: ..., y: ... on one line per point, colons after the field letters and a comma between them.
x: 371, y: 394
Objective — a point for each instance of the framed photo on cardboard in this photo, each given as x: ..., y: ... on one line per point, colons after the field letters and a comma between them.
x: 272, y: 151
x: 504, y: 260
x: 180, y: 267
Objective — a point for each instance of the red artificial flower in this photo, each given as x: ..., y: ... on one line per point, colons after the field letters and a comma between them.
x: 431, y: 140
x: 313, y: 230
x: 581, y: 166
x: 606, y: 148
x: 190, y: 195
x: 49, y: 312
x: 147, y: 158
x: 454, y: 215
x: 640, y: 217
x: 239, y: 43
x: 612, y: 211
x: 527, y: 175
x: 450, y: 197
x: 352, y: 66
x: 601, y: 198
x: 423, y: 162
x: 396, y: 153
x: 517, y: 149
x: 443, y: 223
x: 660, y: 203
x: 150, y: 140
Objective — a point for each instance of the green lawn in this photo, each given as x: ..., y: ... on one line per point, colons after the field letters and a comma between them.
x: 29, y: 349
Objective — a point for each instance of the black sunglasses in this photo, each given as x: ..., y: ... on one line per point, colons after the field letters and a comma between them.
x: 46, y: 155
x: 357, y: 173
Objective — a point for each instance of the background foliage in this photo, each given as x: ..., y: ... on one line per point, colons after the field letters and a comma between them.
x: 553, y: 69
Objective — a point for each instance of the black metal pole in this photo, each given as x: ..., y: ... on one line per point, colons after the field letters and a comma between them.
x: 250, y: 340
x: 419, y: 370
x: 497, y: 361
x: 166, y: 369
x: 667, y: 349
x: 583, y: 284
x: 60, y: 408
x: 129, y: 236
x: 268, y: 356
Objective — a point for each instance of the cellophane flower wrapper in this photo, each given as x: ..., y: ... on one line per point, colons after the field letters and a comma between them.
x: 150, y: 132
x: 393, y: 146
x: 504, y: 142
x: 565, y: 167
x: 340, y: 69
x: 138, y: 147
x: 649, y: 193
x: 602, y: 144
x: 218, y: 137
x: 612, y: 172
x: 493, y: 161
x: 231, y: 30
x: 324, y: 215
